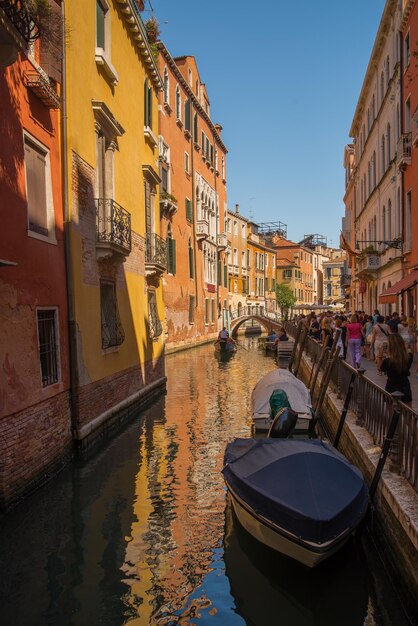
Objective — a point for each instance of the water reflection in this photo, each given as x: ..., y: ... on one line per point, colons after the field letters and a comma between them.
x: 136, y: 534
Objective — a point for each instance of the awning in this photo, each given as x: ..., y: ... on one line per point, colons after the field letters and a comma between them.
x: 390, y: 295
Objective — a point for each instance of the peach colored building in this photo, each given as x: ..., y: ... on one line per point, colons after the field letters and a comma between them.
x: 300, y: 260
x: 237, y: 255
x: 35, y: 417
x: 261, y: 264
x: 193, y: 205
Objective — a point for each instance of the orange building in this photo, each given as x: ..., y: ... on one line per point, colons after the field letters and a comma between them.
x: 405, y: 291
x: 300, y: 259
x: 193, y: 205
x: 261, y: 270
x: 34, y: 379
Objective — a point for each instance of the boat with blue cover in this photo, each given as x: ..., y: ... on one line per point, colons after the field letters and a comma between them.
x: 300, y: 497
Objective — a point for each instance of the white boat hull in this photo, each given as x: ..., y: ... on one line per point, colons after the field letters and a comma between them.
x: 305, y: 552
x: 262, y: 423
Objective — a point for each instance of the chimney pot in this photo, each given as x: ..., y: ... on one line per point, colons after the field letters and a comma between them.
x: 237, y: 208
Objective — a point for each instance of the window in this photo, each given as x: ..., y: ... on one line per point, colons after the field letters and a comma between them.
x: 186, y: 163
x: 206, y: 311
x: 147, y: 104
x: 166, y: 87
x: 155, y: 326
x: 187, y: 116
x: 48, y: 345
x: 191, y: 260
x: 39, y: 190
x: 235, y: 227
x: 407, y: 50
x: 195, y: 128
x: 223, y: 168
x: 191, y: 309
x: 382, y: 87
x: 243, y: 233
x: 101, y: 10
x: 212, y: 310
x: 389, y: 221
x: 171, y: 253
x: 387, y: 71
x: 388, y: 150
x: 178, y: 104
x: 408, y: 221
x: 190, y: 78
x: 383, y: 155
x: 112, y: 331
x: 189, y: 210
x: 164, y: 177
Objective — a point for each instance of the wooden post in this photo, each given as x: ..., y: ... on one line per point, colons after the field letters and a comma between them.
x: 295, y: 345
x: 302, y: 341
x: 345, y: 410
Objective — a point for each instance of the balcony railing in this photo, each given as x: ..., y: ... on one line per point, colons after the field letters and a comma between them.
x: 19, y: 15
x: 202, y: 229
x: 113, y: 226
x: 369, y: 263
x: 222, y: 241
x: 404, y: 151
x: 41, y: 87
x: 243, y: 271
x: 155, y: 254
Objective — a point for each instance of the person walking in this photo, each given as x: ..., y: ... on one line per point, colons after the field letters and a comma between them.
x: 379, y: 341
x: 405, y: 332
x: 326, y: 333
x: 368, y: 330
x: 397, y: 366
x: 354, y: 334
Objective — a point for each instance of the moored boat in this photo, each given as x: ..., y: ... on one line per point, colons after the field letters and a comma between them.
x: 225, y: 347
x: 299, y: 497
x: 297, y: 395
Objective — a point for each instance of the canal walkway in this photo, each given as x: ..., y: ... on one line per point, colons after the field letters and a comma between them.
x: 380, y: 380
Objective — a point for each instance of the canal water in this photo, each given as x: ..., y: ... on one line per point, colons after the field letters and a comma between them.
x: 143, y: 533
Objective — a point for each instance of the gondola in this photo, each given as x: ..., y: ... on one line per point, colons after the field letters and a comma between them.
x: 225, y: 347
x: 300, y: 497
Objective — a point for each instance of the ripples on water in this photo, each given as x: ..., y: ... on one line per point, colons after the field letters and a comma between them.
x: 143, y: 534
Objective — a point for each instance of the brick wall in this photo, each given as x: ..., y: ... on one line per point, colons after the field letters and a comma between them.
x: 35, y: 443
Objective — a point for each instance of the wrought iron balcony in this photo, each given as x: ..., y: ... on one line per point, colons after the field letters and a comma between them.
x: 222, y: 241
x: 202, y: 229
x: 113, y: 228
x: 36, y: 82
x: 17, y: 12
x: 403, y: 157
x: 155, y: 255
x: 345, y: 280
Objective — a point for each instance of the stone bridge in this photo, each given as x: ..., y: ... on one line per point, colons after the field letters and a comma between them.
x: 266, y: 319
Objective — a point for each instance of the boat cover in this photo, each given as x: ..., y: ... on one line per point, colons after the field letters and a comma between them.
x: 296, y: 391
x: 305, y: 487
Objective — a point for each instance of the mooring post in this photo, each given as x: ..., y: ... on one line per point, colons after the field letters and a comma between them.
x: 295, y: 345
x: 397, y: 396
x: 345, y: 410
x: 360, y: 404
x: 302, y: 341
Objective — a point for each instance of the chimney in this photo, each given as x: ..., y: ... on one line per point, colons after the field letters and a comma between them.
x: 237, y: 209
x: 218, y: 129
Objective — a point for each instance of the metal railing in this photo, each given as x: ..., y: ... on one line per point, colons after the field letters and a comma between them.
x: 373, y: 408
x: 113, y: 223
x: 404, y: 149
x: 155, y: 250
x: 18, y: 13
x: 255, y: 310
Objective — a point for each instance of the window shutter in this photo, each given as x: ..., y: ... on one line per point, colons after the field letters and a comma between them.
x: 149, y: 104
x: 146, y: 103
x: 169, y: 254
x: 191, y: 263
x: 219, y: 273
x: 225, y: 276
x: 173, y: 245
x: 189, y: 210
x: 187, y: 125
x: 195, y: 129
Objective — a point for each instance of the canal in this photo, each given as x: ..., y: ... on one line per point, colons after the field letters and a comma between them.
x: 142, y: 532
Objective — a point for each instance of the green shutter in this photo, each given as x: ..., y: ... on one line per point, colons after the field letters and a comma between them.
x: 219, y: 273
x: 191, y: 263
x: 146, y: 103
x: 189, y: 210
x: 173, y: 245
x: 225, y: 275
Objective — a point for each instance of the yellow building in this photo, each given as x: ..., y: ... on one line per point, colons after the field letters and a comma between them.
x: 261, y: 270
x: 117, y: 256
x: 236, y: 231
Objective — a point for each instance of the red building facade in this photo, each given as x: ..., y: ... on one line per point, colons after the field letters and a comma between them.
x: 35, y: 418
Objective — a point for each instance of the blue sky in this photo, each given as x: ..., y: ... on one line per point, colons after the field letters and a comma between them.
x: 283, y: 80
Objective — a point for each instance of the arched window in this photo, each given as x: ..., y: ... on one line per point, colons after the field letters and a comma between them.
x: 388, y: 146
x: 387, y: 71
x: 384, y: 223
x: 389, y: 220
x: 171, y: 252
x: 398, y: 225
x: 383, y: 155
x: 166, y: 87
x: 374, y: 169
x: 382, y: 87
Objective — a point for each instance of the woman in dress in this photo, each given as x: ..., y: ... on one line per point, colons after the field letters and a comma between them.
x: 397, y: 367
x: 326, y: 332
x: 380, y: 335
x: 354, y: 334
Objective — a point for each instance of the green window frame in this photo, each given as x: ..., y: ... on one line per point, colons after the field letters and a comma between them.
x: 189, y: 210
x: 171, y: 255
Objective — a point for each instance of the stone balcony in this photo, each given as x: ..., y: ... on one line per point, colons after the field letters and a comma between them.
x: 202, y: 230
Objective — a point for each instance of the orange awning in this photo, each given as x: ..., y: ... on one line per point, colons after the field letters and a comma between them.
x: 390, y: 295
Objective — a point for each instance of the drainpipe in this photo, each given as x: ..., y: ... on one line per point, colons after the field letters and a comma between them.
x: 216, y: 233
x: 193, y: 139
x: 67, y: 225
x: 402, y: 123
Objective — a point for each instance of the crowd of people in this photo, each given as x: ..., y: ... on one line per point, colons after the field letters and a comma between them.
x: 388, y: 340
